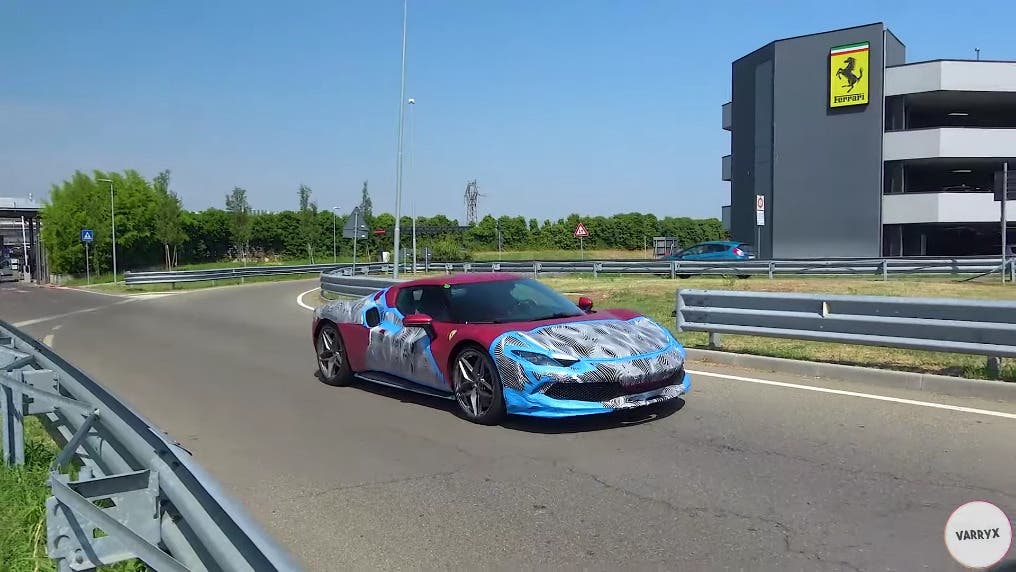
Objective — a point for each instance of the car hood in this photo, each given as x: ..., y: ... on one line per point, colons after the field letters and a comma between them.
x: 595, y: 339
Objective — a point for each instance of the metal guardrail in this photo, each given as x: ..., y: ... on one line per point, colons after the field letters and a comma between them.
x: 884, y: 267
x: 978, y: 327
x: 133, y: 483
x: 180, y: 276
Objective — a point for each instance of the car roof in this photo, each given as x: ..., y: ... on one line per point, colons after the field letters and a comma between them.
x: 461, y: 278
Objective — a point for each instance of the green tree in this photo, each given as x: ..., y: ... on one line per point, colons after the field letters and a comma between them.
x: 168, y: 218
x: 366, y: 205
x: 240, y: 220
x: 82, y: 202
x: 308, y: 214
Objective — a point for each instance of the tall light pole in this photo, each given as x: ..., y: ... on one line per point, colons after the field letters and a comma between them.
x: 112, y: 219
x: 412, y: 137
x: 334, y: 259
x: 402, y: 117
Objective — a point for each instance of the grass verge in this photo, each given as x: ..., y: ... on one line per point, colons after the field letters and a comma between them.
x: 23, y: 493
x: 655, y: 297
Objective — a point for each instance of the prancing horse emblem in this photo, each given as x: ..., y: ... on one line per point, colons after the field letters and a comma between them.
x: 847, y: 71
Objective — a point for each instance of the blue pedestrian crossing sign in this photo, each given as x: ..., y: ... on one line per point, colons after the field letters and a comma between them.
x: 87, y: 235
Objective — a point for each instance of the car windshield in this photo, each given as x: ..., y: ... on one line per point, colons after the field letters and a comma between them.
x: 520, y: 300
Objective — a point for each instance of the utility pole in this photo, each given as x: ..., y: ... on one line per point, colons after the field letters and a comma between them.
x: 112, y: 218
x: 1005, y: 195
x: 398, y: 173
x: 334, y: 251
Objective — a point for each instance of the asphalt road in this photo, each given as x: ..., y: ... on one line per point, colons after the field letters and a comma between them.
x: 740, y: 476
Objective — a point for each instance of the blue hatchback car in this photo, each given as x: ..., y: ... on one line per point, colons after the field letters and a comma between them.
x: 716, y: 250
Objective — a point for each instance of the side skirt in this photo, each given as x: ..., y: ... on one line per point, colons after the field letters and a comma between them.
x: 400, y: 383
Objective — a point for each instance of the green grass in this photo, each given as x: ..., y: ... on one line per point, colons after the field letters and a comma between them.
x: 23, y: 493
x: 656, y: 298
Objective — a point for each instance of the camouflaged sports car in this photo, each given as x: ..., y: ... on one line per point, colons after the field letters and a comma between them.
x: 499, y: 344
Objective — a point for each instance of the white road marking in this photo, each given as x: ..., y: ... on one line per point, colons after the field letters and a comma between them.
x: 48, y: 340
x: 66, y: 314
x: 857, y: 394
x: 57, y: 327
x: 301, y: 303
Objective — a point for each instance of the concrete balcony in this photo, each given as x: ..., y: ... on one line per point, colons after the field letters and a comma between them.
x: 728, y: 116
x: 979, y: 76
x: 953, y: 142
x: 915, y: 208
x: 726, y: 168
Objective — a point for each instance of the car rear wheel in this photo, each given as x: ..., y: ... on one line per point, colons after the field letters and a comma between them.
x: 478, y: 390
x: 333, y: 366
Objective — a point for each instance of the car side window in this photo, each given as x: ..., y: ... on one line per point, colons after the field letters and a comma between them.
x: 408, y: 300
x: 717, y: 248
x: 694, y: 250
x: 372, y: 317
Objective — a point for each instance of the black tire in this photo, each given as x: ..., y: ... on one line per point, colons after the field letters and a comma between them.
x: 328, y: 344
x: 485, y: 406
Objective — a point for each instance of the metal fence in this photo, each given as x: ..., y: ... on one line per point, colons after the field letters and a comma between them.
x: 978, y: 327
x: 142, y: 490
x: 182, y: 276
x: 880, y: 267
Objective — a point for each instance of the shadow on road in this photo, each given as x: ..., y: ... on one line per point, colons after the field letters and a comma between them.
x: 581, y: 424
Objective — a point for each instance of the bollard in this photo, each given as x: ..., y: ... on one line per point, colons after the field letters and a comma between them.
x: 994, y: 367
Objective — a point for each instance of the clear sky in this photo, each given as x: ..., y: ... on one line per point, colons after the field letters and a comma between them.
x: 554, y: 106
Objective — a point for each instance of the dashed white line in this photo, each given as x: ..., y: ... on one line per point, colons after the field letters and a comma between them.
x: 301, y: 303
x: 48, y: 340
x: 857, y: 394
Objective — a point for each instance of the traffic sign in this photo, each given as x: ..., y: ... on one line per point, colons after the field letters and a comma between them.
x: 87, y: 235
x: 580, y: 231
x: 760, y: 202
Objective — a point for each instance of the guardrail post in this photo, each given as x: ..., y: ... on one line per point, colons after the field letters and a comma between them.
x: 673, y: 269
x: 447, y: 268
x: 714, y: 340
x: 536, y: 269
x: 772, y: 269
x: 994, y: 367
x: 496, y: 267
x: 885, y: 270
x: 597, y: 268
x: 677, y: 311
x: 466, y: 266
x: 12, y: 404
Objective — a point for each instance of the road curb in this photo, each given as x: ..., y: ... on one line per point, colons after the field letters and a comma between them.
x: 941, y: 384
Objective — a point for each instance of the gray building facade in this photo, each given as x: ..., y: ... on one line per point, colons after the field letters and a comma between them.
x: 802, y: 140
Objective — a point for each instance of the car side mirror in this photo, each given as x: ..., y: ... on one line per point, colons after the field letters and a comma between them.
x: 417, y: 321
x: 585, y: 304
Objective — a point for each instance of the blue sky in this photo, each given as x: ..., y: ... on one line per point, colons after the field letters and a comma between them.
x: 554, y: 106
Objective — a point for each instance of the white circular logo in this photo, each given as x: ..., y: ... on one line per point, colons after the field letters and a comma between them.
x: 978, y: 534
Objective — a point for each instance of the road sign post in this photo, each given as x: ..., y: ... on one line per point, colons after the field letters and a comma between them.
x: 356, y: 229
x: 87, y: 236
x: 581, y: 233
x: 760, y: 221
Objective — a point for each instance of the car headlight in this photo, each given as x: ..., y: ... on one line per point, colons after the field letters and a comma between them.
x: 536, y: 358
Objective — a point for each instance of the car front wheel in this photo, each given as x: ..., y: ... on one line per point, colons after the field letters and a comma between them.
x: 478, y: 390
x: 333, y: 366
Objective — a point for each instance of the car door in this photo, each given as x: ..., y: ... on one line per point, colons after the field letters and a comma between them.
x: 693, y: 253
x: 402, y: 351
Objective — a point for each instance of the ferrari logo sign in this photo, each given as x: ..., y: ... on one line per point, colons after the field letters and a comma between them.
x: 848, y: 84
x: 580, y: 231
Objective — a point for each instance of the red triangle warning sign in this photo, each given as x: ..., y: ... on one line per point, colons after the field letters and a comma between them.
x: 580, y: 231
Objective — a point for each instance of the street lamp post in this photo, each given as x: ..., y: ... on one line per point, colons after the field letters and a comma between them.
x: 112, y: 219
x: 402, y: 116
x: 334, y: 251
